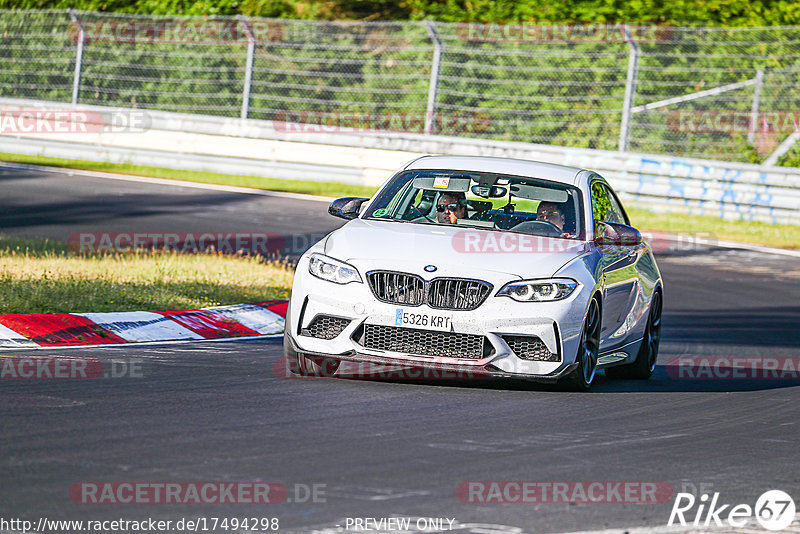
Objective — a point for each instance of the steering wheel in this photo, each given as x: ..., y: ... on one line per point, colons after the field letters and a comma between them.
x: 413, y: 213
x: 539, y: 227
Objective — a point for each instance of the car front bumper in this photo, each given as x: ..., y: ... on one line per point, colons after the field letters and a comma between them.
x: 421, y: 368
x: 557, y: 324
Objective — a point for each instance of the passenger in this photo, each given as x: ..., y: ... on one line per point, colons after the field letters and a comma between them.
x: 554, y: 214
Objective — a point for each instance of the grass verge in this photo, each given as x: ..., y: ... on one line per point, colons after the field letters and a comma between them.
x: 44, y: 277
x: 775, y: 235
x: 758, y: 233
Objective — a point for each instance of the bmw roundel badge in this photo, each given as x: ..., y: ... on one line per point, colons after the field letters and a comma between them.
x: 430, y: 268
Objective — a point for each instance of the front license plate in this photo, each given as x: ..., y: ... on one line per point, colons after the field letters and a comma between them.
x: 427, y: 321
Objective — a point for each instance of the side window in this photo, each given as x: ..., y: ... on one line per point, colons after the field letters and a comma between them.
x: 600, y: 202
x: 616, y: 208
x: 604, y: 206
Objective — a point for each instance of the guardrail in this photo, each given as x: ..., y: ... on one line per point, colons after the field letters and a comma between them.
x: 310, y: 152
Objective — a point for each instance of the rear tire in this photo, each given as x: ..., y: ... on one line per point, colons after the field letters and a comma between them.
x: 298, y: 364
x: 580, y: 379
x: 644, y: 365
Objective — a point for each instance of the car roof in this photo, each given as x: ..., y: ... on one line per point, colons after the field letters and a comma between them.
x: 516, y: 167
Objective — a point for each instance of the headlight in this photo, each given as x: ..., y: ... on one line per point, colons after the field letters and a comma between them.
x: 539, y: 290
x: 332, y: 270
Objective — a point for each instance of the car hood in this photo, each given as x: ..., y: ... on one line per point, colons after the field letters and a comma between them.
x: 454, y: 250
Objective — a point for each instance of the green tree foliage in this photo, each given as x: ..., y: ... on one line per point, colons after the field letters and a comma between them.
x: 674, y: 12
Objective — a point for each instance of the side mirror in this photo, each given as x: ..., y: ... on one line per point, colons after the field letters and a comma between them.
x: 346, y: 208
x: 616, y: 235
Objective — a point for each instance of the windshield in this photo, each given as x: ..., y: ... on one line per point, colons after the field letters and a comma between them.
x: 482, y: 200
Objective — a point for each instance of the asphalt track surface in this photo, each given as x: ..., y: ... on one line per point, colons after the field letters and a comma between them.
x: 225, y: 411
x: 62, y: 206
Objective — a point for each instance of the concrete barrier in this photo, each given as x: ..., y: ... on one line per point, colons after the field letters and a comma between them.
x: 311, y: 152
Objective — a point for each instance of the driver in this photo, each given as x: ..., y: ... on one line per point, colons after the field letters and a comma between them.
x: 450, y: 207
x: 553, y: 213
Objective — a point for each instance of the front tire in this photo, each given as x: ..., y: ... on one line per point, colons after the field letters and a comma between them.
x: 644, y: 365
x: 301, y: 365
x: 581, y: 378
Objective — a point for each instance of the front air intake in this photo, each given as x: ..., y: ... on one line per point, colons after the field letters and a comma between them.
x: 530, y: 348
x: 397, y: 288
x: 457, y: 293
x: 325, y: 327
x: 426, y: 342
x: 441, y: 293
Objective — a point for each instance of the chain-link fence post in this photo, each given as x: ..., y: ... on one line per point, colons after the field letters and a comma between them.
x: 248, y: 72
x: 436, y: 66
x: 687, y: 92
x: 751, y: 134
x: 76, y: 81
x: 630, y: 90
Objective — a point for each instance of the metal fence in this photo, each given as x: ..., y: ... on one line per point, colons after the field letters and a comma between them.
x: 729, y: 94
